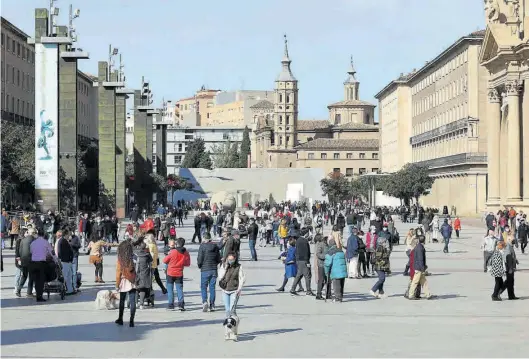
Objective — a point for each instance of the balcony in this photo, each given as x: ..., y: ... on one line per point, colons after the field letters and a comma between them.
x: 455, y: 160
x: 442, y: 130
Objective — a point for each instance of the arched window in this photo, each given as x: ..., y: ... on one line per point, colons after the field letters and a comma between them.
x: 367, y: 119
x: 280, y: 97
x: 337, y: 119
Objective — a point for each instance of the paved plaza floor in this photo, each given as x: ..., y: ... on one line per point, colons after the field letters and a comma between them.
x: 462, y: 322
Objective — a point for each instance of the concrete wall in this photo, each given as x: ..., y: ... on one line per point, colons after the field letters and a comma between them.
x: 261, y: 181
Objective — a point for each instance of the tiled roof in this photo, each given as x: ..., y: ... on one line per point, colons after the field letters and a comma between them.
x: 263, y: 104
x: 348, y: 103
x: 355, y: 126
x: 343, y: 144
x: 312, y: 125
x: 478, y: 33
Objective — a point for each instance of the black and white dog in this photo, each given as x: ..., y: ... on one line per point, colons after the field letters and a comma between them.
x: 231, y: 324
x: 231, y: 327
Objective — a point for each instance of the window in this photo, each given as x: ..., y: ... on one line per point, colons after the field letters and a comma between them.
x: 362, y: 156
x: 154, y: 159
x: 8, y: 43
x: 374, y: 156
x: 337, y: 119
x: 336, y: 170
x: 179, y: 147
x: 13, y: 75
x: 367, y: 119
x: 323, y: 156
x: 207, y: 115
x: 7, y: 103
x: 178, y: 159
x: 13, y: 46
x: 18, y: 77
x: 288, y: 119
x: 336, y: 156
x: 361, y: 171
x: 18, y: 107
x: 3, y: 72
x: 3, y: 39
x: 225, y: 136
x: 280, y: 119
x: 280, y: 97
x: 374, y: 170
x: 310, y: 156
x: 287, y: 140
x: 349, y: 172
x: 23, y: 107
x: 188, y: 137
x: 23, y: 53
x: 18, y: 49
x: 349, y: 156
x: 280, y: 140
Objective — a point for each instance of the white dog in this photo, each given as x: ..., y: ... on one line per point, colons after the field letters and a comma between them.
x: 107, y: 299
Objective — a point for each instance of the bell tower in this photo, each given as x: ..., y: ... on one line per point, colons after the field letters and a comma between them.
x: 286, y: 105
x: 351, y: 84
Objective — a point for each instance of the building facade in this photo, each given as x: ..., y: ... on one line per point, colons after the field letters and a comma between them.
x: 195, y: 110
x: 179, y: 138
x: 346, y: 142
x: 394, y: 119
x: 505, y: 57
x: 18, y: 75
x: 445, y: 104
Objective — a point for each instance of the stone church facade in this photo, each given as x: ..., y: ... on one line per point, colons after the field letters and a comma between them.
x: 347, y: 142
x: 505, y: 55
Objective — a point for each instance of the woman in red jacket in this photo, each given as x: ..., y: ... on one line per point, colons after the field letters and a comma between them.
x: 175, y: 261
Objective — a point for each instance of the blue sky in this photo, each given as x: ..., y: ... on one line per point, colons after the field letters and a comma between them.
x: 233, y: 44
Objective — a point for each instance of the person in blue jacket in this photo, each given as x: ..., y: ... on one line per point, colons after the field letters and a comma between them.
x: 291, y: 268
x: 336, y: 267
x: 446, y: 232
x: 352, y: 254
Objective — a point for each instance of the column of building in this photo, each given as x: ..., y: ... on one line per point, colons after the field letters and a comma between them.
x: 161, y: 155
x: 514, y: 140
x: 525, y: 143
x: 122, y: 94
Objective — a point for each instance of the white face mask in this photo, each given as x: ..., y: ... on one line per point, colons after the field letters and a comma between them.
x: 384, y: 229
x: 372, y: 231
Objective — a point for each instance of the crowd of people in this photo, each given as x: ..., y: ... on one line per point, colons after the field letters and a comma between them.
x: 359, y: 246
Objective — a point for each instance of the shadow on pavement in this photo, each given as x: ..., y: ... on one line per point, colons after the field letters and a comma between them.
x: 252, y: 335
x: 95, y: 332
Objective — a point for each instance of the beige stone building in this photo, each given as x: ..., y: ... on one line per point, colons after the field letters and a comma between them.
x: 346, y: 142
x: 195, y: 110
x: 505, y: 56
x: 445, y: 103
x: 395, y: 124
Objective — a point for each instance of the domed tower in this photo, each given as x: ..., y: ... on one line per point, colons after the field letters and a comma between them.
x: 286, y: 105
x: 351, y: 84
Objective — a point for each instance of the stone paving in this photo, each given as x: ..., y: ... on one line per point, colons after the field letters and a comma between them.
x: 463, y: 321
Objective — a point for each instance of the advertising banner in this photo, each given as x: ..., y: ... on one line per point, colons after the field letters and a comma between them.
x: 46, y: 116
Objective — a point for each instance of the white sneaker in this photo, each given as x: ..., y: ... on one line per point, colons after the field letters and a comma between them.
x: 205, y: 307
x: 373, y: 294
x: 142, y: 307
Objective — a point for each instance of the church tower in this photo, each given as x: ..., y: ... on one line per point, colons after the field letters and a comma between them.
x: 351, y: 84
x: 286, y: 105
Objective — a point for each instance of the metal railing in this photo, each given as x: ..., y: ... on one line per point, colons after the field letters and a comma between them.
x: 441, y: 130
x: 453, y: 160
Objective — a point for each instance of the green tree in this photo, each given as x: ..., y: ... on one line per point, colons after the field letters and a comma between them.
x: 221, y: 154
x: 205, y: 161
x: 194, y: 153
x: 18, y: 157
x: 233, y: 157
x: 245, y: 148
x: 412, y: 181
x: 360, y: 188
x: 336, y: 187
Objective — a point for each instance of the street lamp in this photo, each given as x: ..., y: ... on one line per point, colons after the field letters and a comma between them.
x: 111, y: 53
x: 71, y: 29
x: 54, y: 12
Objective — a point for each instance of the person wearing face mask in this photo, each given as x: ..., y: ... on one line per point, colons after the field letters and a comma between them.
x: 291, y: 267
x: 371, y: 242
x: 231, y: 281
x: 385, y: 233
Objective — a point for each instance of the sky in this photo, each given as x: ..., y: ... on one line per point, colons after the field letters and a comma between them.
x: 238, y: 44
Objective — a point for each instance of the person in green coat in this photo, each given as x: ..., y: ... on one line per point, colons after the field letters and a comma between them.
x: 336, y: 267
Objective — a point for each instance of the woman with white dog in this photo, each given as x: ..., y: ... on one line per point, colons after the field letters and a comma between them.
x: 125, y: 279
x: 231, y: 281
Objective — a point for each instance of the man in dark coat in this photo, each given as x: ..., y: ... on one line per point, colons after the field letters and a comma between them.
x: 420, y: 267
x: 253, y: 231
x: 303, y: 263
x: 23, y: 260
x: 208, y: 261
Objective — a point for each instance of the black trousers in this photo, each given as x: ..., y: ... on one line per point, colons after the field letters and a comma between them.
x: 362, y: 262
x: 285, y: 281
x: 197, y: 234
x: 132, y: 304
x: 509, y: 285
x: 498, y: 286
x: 303, y: 271
x: 523, y: 244
x: 368, y: 259
x: 13, y: 238
x: 38, y: 272
x: 338, y: 285
x: 99, y: 270
x: 322, y: 280
x: 158, y: 280
x: 180, y: 221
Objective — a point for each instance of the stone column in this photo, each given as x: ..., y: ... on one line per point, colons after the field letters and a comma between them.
x: 513, y: 132
x: 121, y: 153
x: 493, y: 146
x: 161, y: 156
x: 107, y: 139
x: 525, y: 136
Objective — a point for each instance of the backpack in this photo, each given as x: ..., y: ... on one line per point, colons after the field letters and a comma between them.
x: 172, y: 232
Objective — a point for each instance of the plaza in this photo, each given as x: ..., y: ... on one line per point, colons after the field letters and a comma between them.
x: 461, y: 322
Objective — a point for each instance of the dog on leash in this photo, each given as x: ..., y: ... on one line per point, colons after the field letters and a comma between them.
x: 107, y: 299
x: 231, y: 327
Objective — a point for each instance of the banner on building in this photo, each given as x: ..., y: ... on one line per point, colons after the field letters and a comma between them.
x: 46, y: 116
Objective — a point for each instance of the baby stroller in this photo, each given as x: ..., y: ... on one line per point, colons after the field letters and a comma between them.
x: 55, y: 281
